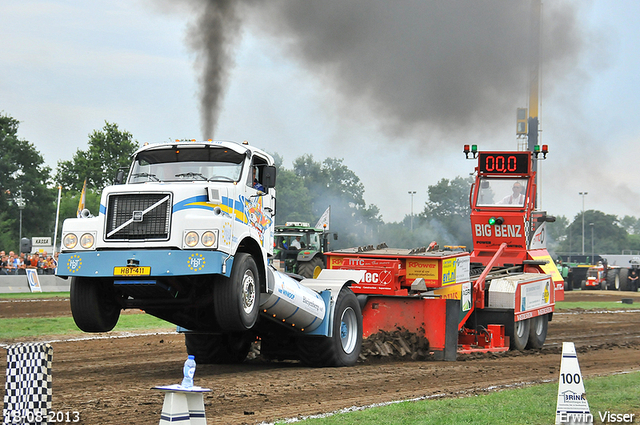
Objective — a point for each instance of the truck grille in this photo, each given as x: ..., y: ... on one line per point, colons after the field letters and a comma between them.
x: 138, y: 216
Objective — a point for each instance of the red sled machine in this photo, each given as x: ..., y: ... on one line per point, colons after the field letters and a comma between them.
x: 499, y: 296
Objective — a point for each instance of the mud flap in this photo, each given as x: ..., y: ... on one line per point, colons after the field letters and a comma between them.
x: 450, y: 351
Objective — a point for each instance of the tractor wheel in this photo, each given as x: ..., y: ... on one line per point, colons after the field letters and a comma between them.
x: 583, y: 285
x: 538, y: 331
x: 93, y: 304
x: 568, y: 284
x: 218, y: 349
x: 307, y: 268
x: 236, y: 298
x: 343, y: 348
x: 613, y: 280
x: 520, y: 335
x: 624, y: 280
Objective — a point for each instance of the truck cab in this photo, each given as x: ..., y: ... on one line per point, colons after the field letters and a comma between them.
x: 503, y: 210
x: 191, y: 226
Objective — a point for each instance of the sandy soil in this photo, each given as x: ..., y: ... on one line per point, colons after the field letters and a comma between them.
x: 110, y: 380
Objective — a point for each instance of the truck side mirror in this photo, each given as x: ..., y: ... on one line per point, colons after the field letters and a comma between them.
x: 269, y: 176
x: 120, y: 176
x: 547, y: 218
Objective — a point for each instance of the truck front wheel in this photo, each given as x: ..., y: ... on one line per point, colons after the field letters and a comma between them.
x: 93, y: 305
x: 236, y: 298
x: 343, y: 348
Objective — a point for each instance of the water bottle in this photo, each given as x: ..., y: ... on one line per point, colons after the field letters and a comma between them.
x: 189, y: 370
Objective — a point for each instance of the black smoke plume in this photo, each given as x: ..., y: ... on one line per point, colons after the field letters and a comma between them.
x: 412, y: 64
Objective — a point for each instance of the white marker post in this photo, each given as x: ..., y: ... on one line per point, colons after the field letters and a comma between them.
x: 572, y: 407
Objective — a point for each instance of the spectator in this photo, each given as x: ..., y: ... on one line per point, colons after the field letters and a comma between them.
x: 3, y: 263
x: 20, y: 264
x: 11, y: 263
x: 34, y: 262
x: 49, y: 265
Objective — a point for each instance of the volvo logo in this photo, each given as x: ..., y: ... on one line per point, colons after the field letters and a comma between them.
x: 137, y: 216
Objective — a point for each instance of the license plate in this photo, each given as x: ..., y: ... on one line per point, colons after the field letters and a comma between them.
x: 132, y: 271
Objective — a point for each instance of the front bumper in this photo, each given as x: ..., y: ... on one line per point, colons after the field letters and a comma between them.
x: 152, y: 263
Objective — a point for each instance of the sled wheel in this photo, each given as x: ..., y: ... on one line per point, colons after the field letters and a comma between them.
x: 538, y: 331
x: 520, y: 335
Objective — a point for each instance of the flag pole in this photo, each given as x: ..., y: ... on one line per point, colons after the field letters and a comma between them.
x: 83, y: 197
x: 55, y: 231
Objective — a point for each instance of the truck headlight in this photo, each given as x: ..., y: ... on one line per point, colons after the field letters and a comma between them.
x: 70, y: 241
x: 208, y: 239
x: 191, y: 239
x: 87, y: 240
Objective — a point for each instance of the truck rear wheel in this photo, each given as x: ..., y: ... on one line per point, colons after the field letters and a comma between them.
x: 236, y: 298
x: 93, y: 304
x: 520, y: 337
x: 624, y: 280
x: 613, y: 280
x: 218, y: 349
x: 538, y: 331
x: 307, y: 268
x: 343, y: 348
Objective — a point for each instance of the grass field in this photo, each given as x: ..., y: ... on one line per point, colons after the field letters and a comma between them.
x: 534, y: 405
x: 16, y: 328
x: 596, y: 305
x: 38, y: 326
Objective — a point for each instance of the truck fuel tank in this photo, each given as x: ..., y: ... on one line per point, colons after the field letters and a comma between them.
x: 293, y: 304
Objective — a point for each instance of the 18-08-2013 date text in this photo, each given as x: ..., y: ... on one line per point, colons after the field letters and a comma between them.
x: 29, y: 416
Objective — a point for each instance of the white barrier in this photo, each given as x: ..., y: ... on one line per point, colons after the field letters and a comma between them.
x: 28, y: 388
x: 20, y: 283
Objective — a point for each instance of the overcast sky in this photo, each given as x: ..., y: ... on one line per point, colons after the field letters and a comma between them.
x: 393, y: 88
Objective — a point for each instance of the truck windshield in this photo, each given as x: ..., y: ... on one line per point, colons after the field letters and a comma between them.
x: 501, y: 192
x: 187, y: 164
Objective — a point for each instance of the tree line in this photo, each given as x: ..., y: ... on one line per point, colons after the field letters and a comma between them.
x: 304, y: 193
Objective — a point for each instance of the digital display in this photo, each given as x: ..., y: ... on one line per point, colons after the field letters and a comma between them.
x: 504, y: 163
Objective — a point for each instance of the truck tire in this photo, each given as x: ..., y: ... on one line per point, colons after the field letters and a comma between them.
x: 93, y: 304
x: 236, y: 298
x: 624, y: 280
x: 307, y: 268
x: 583, y: 285
x: 520, y: 337
x: 613, y: 280
x: 538, y: 331
x: 218, y: 349
x: 343, y: 348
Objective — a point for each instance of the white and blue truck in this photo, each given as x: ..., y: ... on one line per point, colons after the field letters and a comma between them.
x: 187, y: 235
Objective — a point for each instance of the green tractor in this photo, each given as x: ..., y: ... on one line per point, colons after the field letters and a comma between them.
x: 299, y: 248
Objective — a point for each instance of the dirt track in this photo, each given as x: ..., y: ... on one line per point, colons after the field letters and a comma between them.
x: 109, y: 380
